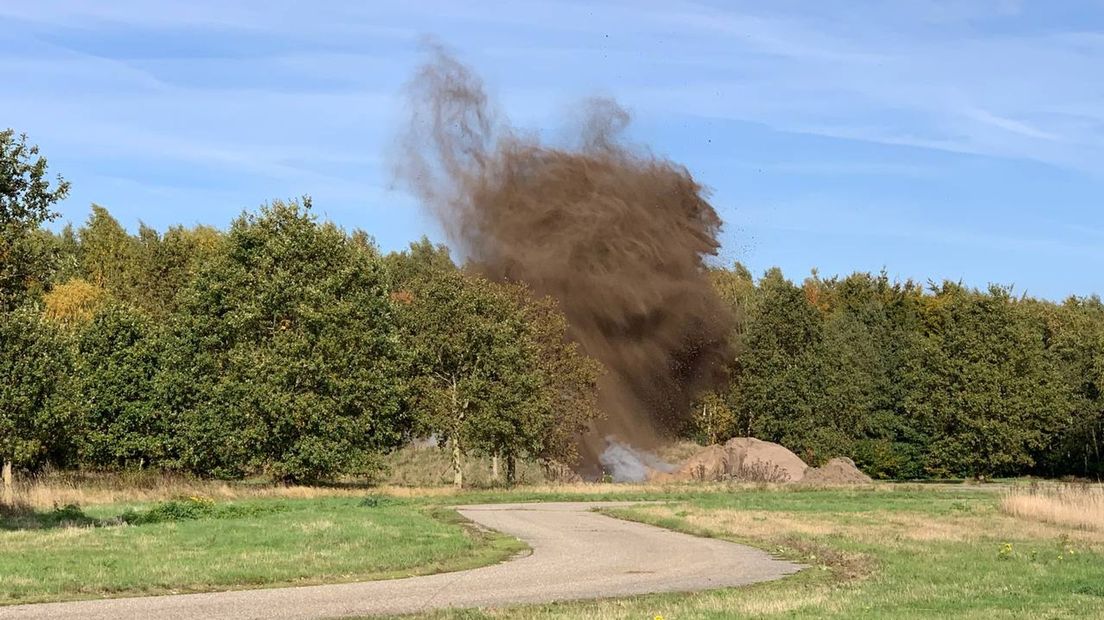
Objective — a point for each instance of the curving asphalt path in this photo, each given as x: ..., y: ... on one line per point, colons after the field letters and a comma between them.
x: 576, y: 554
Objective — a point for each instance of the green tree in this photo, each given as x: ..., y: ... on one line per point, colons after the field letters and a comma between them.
x: 463, y: 352
x: 715, y: 416
x: 714, y: 420
x: 983, y: 385
x: 166, y: 263
x: 776, y: 389
x: 108, y: 254
x: 118, y: 362
x: 67, y: 252
x: 1077, y: 346
x: 421, y: 260
x: 27, y: 200
x: 285, y: 356
x: 547, y: 424
x: 818, y: 368
x: 34, y: 364
x: 869, y: 326
x: 492, y: 370
x: 737, y: 288
x: 847, y: 374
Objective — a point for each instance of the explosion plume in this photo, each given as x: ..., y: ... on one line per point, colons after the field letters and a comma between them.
x: 617, y: 235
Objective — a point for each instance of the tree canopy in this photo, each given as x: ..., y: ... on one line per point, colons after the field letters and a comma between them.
x: 27, y: 199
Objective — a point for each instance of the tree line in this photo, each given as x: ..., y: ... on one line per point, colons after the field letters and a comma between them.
x: 913, y: 380
x: 289, y: 347
x: 283, y: 346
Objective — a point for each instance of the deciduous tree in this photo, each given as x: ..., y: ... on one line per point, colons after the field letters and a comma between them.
x: 123, y: 422
x: 285, y: 354
x: 27, y: 199
x: 34, y: 364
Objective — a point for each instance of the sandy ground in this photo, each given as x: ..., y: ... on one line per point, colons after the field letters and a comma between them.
x: 576, y: 554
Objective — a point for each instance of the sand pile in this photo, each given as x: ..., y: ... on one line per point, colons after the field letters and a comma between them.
x: 740, y: 458
x: 710, y: 463
x: 755, y: 456
x: 840, y: 470
x: 754, y: 460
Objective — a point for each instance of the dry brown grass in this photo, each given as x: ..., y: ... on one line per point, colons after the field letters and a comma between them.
x: 88, y: 489
x: 52, y: 490
x: 911, y: 530
x: 1079, y: 506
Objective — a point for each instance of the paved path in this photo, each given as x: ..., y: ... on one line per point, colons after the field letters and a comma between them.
x: 576, y: 554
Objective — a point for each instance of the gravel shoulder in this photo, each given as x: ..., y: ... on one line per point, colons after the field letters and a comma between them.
x: 576, y: 554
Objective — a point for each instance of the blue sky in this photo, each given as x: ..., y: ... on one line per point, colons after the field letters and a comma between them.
x: 936, y: 139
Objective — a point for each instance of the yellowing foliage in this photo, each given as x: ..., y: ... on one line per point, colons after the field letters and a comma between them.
x: 74, y: 302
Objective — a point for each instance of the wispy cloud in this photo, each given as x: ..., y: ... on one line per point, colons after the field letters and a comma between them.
x: 876, y: 75
x: 180, y: 102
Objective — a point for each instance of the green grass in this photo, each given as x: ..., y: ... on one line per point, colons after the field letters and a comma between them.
x: 190, y: 546
x: 891, y: 551
x: 896, y: 552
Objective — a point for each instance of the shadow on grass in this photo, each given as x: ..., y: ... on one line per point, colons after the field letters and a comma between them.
x: 23, y: 517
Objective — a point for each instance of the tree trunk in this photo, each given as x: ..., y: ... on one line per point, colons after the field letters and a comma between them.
x: 494, y: 467
x: 457, y: 464
x: 511, y: 469
x: 457, y: 455
x: 9, y: 484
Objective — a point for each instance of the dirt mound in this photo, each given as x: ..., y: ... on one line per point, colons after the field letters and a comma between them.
x: 709, y: 463
x: 840, y: 470
x: 741, y: 458
x: 754, y: 456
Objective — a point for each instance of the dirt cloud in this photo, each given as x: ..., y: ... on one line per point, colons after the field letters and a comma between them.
x: 617, y: 235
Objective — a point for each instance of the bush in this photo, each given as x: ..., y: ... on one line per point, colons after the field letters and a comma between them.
x: 189, y: 509
x: 883, y: 459
x: 194, y: 509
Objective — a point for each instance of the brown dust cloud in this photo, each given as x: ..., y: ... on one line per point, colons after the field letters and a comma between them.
x: 617, y: 235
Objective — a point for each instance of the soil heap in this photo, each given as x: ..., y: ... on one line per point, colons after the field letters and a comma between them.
x: 840, y: 470
x: 740, y: 458
x: 749, y: 459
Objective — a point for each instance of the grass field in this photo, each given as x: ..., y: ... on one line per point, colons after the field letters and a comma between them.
x: 888, y: 552
x: 885, y: 551
x: 197, y: 545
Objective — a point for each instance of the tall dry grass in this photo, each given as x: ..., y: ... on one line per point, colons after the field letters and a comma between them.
x: 87, y: 489
x: 1074, y: 505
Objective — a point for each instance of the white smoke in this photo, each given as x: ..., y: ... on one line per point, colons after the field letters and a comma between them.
x: 625, y: 463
